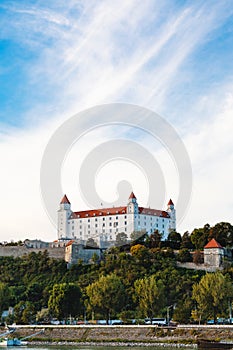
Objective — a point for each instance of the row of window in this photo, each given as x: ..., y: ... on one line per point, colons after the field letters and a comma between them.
x: 116, y: 218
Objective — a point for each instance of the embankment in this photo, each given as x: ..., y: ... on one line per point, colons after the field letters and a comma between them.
x: 126, y: 334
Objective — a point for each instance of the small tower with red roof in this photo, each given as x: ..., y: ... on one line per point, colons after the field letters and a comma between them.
x: 172, y: 213
x: 64, y: 213
x: 132, y: 207
x: 213, y: 254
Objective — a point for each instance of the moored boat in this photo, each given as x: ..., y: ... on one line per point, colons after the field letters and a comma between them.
x: 12, y: 342
x: 211, y: 344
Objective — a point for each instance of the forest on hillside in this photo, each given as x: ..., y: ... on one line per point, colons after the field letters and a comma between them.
x: 136, y: 281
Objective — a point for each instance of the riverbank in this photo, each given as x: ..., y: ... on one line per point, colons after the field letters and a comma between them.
x: 113, y: 344
x: 124, y: 335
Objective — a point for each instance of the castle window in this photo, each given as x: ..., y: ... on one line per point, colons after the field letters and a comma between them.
x: 157, y: 225
x: 80, y: 227
x: 96, y: 219
x: 125, y: 229
x: 103, y: 219
x: 72, y: 227
x: 125, y: 216
x: 125, y: 222
x: 96, y: 231
x: 89, y: 232
x: 110, y: 237
x: 80, y: 233
x: 110, y: 224
x: 117, y: 217
x: 110, y: 218
x: 96, y: 225
x: 163, y: 226
x: 88, y: 220
x: 110, y: 230
x: 116, y: 229
x: 72, y: 222
x: 89, y: 226
x: 103, y: 225
x: 103, y: 230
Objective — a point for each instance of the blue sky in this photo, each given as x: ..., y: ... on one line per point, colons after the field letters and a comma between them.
x: 58, y: 58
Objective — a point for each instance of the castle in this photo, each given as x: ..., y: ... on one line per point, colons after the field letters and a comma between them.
x: 104, y: 224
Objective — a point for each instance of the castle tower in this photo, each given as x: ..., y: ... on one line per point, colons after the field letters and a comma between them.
x: 172, y: 212
x: 132, y: 206
x: 213, y: 254
x: 64, y: 213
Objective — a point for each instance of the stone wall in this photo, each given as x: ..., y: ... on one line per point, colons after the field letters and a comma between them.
x: 18, y: 251
x: 181, y: 334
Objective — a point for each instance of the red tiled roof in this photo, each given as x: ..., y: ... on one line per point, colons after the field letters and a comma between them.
x: 148, y: 211
x: 212, y: 244
x: 70, y: 243
x: 132, y: 195
x: 100, y: 212
x: 170, y: 202
x: 116, y: 211
x: 65, y: 200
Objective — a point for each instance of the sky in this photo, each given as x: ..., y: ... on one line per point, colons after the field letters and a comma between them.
x: 59, y: 58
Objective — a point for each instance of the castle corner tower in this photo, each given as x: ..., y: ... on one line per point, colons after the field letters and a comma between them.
x: 64, y: 213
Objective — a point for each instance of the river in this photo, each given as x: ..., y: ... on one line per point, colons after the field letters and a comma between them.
x: 87, y: 347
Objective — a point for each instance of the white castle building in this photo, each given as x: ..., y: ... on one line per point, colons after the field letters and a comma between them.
x: 104, y: 224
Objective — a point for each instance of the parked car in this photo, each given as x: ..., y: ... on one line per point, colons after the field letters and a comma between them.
x: 156, y: 321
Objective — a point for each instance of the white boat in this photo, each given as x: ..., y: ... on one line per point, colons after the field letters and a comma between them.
x: 13, y: 342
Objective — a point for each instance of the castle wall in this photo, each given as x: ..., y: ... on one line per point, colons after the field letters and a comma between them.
x: 19, y: 251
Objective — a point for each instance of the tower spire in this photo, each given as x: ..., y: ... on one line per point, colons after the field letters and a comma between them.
x: 65, y: 200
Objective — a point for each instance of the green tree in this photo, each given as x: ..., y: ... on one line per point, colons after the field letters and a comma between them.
x: 199, y: 237
x: 184, y: 255
x: 186, y: 242
x: 223, y: 233
x: 43, y: 316
x: 212, y: 295
x: 198, y: 257
x: 150, y: 295
x: 154, y: 240
x: 174, y: 240
x: 24, y: 312
x: 65, y: 300
x: 5, y: 296
x: 121, y: 239
x: 106, y: 295
x: 183, y: 309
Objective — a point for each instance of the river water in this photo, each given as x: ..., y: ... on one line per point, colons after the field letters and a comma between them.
x: 87, y: 347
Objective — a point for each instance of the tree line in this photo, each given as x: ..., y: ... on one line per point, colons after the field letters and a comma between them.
x: 136, y: 281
